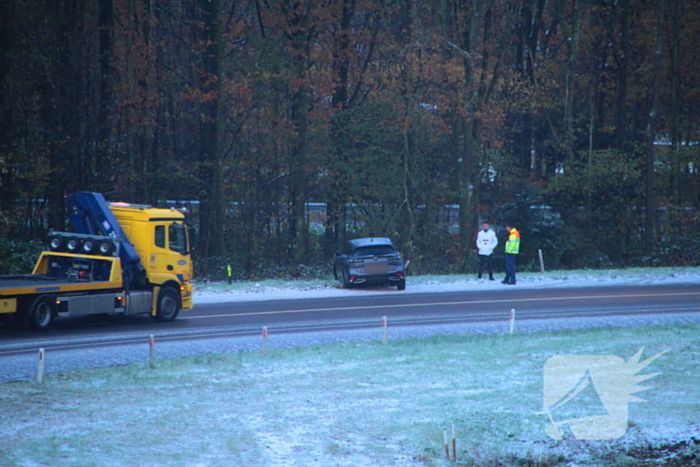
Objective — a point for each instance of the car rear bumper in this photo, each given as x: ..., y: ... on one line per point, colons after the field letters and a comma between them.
x: 376, y: 278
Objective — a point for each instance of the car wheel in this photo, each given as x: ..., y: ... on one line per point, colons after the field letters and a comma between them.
x: 41, y: 313
x: 401, y: 285
x: 168, y: 305
x: 346, y: 280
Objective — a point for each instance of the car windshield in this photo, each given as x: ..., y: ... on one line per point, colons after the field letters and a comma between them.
x: 375, y: 250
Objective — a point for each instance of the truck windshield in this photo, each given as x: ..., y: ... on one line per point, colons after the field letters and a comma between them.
x: 177, y: 238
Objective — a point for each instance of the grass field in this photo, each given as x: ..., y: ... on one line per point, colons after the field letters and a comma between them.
x: 363, y: 404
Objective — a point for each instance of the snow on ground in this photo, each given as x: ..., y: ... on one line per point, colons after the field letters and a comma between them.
x: 354, y: 404
x: 357, y: 402
x: 280, y: 289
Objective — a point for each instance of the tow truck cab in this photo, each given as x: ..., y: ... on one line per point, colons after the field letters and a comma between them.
x: 160, y: 238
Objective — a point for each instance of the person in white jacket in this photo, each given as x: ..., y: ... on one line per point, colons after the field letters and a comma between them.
x: 486, y: 241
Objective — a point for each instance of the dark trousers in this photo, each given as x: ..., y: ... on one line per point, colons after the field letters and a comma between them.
x: 487, y: 260
x: 510, y: 268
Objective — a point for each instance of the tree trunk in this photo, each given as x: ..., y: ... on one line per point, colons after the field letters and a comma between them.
x: 466, y: 177
x: 408, y: 91
x: 104, y: 131
x: 650, y: 209
x: 8, y: 191
x: 336, y: 203
x: 675, y: 107
x: 301, y: 36
x: 572, y: 56
x: 212, y: 201
x: 300, y: 108
x: 622, y: 64
x: 63, y: 88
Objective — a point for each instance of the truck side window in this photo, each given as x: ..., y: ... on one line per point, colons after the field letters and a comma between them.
x: 177, y: 238
x: 160, y: 236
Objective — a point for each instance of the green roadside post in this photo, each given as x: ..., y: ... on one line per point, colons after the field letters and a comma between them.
x: 228, y: 268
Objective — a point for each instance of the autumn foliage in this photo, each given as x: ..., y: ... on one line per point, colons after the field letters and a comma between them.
x: 289, y: 126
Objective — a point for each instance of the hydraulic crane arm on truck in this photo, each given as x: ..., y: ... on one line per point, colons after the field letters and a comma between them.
x: 122, y: 258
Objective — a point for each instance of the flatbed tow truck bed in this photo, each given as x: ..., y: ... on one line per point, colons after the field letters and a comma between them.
x: 30, y: 284
x: 65, y: 285
x: 59, y: 273
x: 23, y: 280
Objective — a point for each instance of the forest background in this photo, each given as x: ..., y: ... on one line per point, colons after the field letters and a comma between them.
x: 289, y: 126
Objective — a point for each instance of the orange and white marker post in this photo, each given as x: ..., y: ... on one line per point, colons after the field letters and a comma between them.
x: 539, y: 252
x: 151, y: 352
x: 454, y: 444
x: 40, y: 368
x: 512, y: 320
x: 264, y: 344
x: 447, y: 446
x: 384, y: 330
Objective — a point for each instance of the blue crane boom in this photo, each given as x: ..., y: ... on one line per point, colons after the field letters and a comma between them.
x: 90, y: 214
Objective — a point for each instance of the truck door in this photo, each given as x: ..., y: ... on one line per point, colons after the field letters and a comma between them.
x: 178, y: 245
x: 159, y: 255
x: 171, y: 251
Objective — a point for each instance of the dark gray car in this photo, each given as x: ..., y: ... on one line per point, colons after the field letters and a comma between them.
x: 369, y: 260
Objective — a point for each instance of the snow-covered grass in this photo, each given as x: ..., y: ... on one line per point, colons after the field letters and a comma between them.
x: 361, y: 404
x: 351, y: 404
x: 207, y: 292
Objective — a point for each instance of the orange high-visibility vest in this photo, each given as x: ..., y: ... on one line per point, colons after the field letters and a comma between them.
x: 513, y: 242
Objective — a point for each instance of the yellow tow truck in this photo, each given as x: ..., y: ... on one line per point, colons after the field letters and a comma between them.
x: 122, y: 258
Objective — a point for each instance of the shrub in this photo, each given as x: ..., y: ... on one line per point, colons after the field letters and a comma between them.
x: 19, y: 256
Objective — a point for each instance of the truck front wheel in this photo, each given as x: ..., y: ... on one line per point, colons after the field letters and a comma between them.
x: 41, y: 313
x: 168, y: 304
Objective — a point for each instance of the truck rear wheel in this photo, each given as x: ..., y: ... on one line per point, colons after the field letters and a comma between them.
x: 41, y: 313
x: 168, y: 304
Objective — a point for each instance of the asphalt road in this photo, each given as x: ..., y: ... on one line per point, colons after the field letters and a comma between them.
x: 114, y: 340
